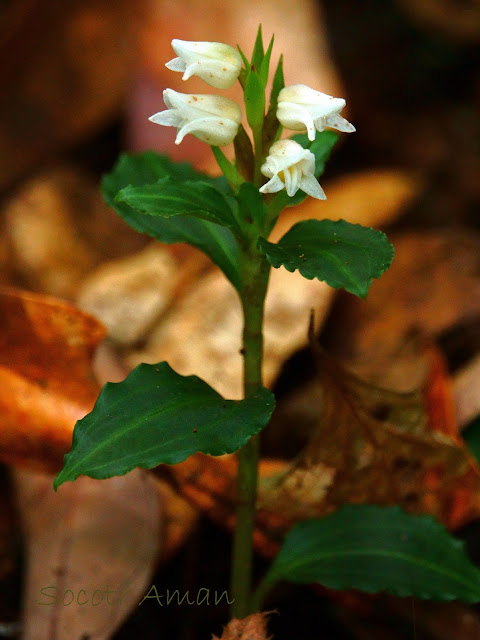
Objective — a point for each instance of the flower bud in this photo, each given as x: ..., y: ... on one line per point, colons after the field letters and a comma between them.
x: 301, y: 108
x: 216, y: 63
x: 211, y: 119
x: 289, y: 166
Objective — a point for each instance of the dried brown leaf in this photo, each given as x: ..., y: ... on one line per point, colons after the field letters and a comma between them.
x: 371, y: 445
x: 57, y: 229
x: 131, y: 295
x: 89, y: 538
x: 432, y: 285
x: 46, y: 377
x: 254, y: 627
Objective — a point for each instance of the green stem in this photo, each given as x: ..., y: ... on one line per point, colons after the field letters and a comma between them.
x: 242, y: 560
x: 259, y: 594
x: 258, y: 143
x: 253, y: 299
x: 227, y: 168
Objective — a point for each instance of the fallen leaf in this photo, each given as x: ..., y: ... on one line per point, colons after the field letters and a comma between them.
x: 208, y: 318
x: 48, y: 253
x: 432, y: 285
x: 371, y: 445
x: 131, y: 295
x: 180, y: 519
x: 46, y: 377
x: 467, y: 398
x: 57, y: 229
x: 365, y: 445
x: 91, y: 550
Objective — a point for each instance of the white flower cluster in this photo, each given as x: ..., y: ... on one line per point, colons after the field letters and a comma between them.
x: 211, y: 119
x: 215, y: 119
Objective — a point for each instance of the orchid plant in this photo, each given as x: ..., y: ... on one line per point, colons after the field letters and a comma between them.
x: 157, y: 416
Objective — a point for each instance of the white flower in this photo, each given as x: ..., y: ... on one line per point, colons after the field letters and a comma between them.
x: 216, y: 63
x: 211, y: 119
x: 289, y: 166
x: 300, y: 108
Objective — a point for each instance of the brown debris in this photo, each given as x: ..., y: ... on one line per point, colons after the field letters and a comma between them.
x: 254, y: 627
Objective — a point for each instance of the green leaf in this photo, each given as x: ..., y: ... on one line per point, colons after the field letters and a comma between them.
x: 167, y: 198
x: 258, y: 53
x: 342, y: 254
x: 244, y: 57
x: 244, y: 154
x: 271, y: 126
x: 374, y: 549
x: 254, y: 100
x: 321, y: 147
x: 264, y: 67
x: 278, y: 83
x: 157, y: 416
x: 252, y: 206
x: 229, y: 170
x: 216, y: 241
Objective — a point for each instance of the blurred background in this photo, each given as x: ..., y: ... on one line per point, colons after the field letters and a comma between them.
x: 78, y: 82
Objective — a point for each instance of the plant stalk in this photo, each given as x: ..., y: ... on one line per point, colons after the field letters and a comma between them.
x: 260, y: 594
x: 253, y: 300
x: 258, y: 143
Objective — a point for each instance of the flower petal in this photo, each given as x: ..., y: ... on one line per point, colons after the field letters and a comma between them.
x: 169, y: 118
x: 311, y: 187
x: 295, y: 117
x: 212, y: 130
x: 292, y: 179
x: 283, y: 154
x: 272, y: 186
x: 339, y: 123
x: 190, y: 70
x: 320, y: 124
x: 177, y: 64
